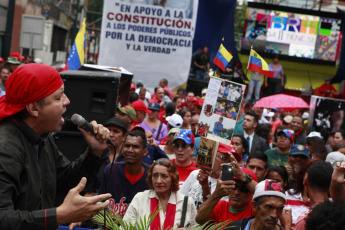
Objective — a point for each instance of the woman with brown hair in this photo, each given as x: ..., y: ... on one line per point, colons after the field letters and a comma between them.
x: 163, y: 181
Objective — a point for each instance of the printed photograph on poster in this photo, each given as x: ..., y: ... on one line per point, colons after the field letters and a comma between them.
x: 327, y: 115
x: 220, y: 110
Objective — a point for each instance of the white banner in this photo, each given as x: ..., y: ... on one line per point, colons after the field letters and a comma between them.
x: 150, y: 38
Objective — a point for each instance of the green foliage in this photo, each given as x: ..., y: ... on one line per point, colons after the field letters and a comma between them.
x: 117, y: 223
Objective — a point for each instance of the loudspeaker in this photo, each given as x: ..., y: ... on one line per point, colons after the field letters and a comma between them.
x: 196, y: 85
x: 93, y: 95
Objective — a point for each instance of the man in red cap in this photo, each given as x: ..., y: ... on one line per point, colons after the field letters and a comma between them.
x: 32, y: 170
x: 141, y: 111
x: 2, y: 62
x: 240, y: 192
x: 200, y: 183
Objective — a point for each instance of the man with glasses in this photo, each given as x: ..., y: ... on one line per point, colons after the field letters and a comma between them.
x: 183, y: 145
x: 279, y: 156
x: 200, y: 183
x: 239, y: 191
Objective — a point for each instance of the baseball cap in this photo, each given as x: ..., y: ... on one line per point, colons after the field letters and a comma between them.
x: 299, y: 150
x: 265, y: 113
x: 327, y: 79
x: 287, y: 133
x: 132, y: 85
x: 250, y: 172
x: 116, y: 122
x: 1, y: 59
x: 175, y: 120
x: 185, y: 135
x: 139, y: 105
x: 138, y: 128
x: 199, y: 102
x: 17, y: 55
x: 314, y: 134
x: 13, y: 60
x: 139, y: 83
x: 305, y: 115
x: 223, y: 148
x: 269, y: 188
x: 192, y: 99
x: 274, y: 109
x: 204, y: 91
x: 231, y: 104
x: 154, y: 106
x: 287, y: 119
x: 128, y: 110
x: 335, y: 156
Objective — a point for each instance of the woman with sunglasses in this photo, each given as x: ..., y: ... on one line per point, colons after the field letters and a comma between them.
x: 183, y: 145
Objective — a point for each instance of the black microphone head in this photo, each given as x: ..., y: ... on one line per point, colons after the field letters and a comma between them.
x: 77, y: 119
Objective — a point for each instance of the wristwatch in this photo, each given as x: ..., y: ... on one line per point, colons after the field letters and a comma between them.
x: 248, y: 179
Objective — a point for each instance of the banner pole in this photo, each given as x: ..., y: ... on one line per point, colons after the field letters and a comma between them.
x: 246, y: 78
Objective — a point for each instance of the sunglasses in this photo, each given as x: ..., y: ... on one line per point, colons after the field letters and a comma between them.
x: 242, y: 188
x: 223, y: 158
x: 183, y: 146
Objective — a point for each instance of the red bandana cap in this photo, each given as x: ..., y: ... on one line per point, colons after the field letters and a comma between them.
x: 27, y: 84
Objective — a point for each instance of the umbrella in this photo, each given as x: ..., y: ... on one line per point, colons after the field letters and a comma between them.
x: 281, y: 101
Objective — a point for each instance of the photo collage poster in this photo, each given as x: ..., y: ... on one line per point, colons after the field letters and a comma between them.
x: 220, y: 110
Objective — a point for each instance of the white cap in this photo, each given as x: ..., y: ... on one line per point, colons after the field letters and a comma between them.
x: 288, y: 119
x: 175, y: 120
x: 269, y: 188
x: 315, y: 134
x: 335, y: 156
x: 265, y: 113
x: 305, y: 115
x: 204, y: 91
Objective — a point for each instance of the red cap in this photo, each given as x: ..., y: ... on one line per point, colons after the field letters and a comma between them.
x: 250, y: 172
x: 17, y: 55
x: 192, y: 99
x: 139, y: 105
x: 133, y: 86
x: 223, y: 148
x: 1, y: 59
x: 199, y: 102
x: 138, y: 128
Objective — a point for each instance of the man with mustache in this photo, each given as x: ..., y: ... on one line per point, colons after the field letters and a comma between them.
x: 268, y: 203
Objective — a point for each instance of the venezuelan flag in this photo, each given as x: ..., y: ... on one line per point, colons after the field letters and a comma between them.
x: 258, y: 64
x: 76, y: 57
x: 222, y: 58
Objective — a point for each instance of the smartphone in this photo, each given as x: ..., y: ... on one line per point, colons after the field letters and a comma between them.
x: 227, y: 173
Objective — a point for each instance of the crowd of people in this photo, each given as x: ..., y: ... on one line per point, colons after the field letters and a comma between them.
x: 284, y: 176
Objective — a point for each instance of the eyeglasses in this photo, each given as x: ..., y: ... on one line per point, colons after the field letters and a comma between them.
x: 223, y: 158
x: 242, y: 188
x: 283, y: 138
x: 183, y: 146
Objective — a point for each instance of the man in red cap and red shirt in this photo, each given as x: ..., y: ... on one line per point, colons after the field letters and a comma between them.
x: 141, y: 111
x: 201, y: 183
x: 240, y: 192
x: 32, y: 170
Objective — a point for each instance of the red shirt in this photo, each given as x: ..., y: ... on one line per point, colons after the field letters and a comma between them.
x: 134, y: 178
x: 221, y: 212
x: 163, y: 141
x: 185, y: 171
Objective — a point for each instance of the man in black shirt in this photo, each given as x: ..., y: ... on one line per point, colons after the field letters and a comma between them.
x: 202, y: 64
x: 32, y: 170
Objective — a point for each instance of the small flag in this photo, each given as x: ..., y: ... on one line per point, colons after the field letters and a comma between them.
x: 258, y: 64
x: 76, y: 57
x: 222, y: 58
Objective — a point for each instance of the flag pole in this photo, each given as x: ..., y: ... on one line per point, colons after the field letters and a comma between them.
x: 248, y: 63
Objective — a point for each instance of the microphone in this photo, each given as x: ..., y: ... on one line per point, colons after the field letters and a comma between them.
x: 84, y: 124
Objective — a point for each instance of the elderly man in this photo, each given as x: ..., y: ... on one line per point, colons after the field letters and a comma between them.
x: 268, y: 203
x: 32, y: 170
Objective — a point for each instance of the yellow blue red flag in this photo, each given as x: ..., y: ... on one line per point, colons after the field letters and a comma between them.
x: 222, y: 58
x: 258, y: 64
x: 76, y: 57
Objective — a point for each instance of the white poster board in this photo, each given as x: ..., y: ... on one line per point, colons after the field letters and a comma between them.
x: 220, y: 110
x: 150, y: 38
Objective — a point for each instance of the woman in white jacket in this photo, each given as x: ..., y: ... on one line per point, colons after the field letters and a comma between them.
x: 163, y: 181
